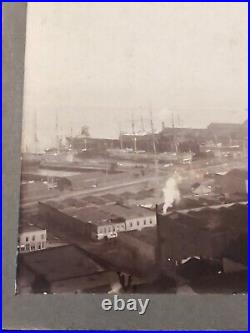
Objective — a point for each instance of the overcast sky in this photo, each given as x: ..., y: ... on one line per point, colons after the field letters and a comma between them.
x: 96, y: 64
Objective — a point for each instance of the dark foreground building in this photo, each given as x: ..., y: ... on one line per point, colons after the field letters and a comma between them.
x: 62, y: 269
x: 207, y: 233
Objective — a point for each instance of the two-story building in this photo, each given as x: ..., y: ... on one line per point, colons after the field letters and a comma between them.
x: 88, y: 222
x: 31, y: 238
x: 96, y: 222
x: 136, y: 217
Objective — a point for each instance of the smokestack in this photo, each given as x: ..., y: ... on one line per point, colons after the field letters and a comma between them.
x: 158, y: 248
x: 164, y: 251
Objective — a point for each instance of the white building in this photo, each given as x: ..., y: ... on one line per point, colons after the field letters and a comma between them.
x: 136, y: 218
x: 107, y: 229
x: 31, y: 238
x: 102, y: 222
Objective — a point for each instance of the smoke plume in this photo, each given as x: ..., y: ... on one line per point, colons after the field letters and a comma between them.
x: 171, y: 194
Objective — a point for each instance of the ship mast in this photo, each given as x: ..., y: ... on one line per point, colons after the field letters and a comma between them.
x: 36, y: 141
x: 174, y: 134
x: 154, y: 145
x: 56, y: 131
x: 142, y: 125
x: 152, y: 131
x: 133, y: 131
x: 120, y: 135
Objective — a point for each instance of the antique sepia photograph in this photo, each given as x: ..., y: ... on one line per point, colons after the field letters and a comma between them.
x: 134, y: 150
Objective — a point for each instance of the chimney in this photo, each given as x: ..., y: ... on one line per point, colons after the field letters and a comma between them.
x: 166, y: 267
x: 158, y: 254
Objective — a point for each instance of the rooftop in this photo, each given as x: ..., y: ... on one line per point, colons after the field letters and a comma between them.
x: 93, y: 215
x: 29, y: 228
x: 217, y: 217
x: 60, y: 263
x: 128, y: 212
x: 190, y: 202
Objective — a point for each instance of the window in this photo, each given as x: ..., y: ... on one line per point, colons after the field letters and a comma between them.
x: 138, y: 222
x: 145, y: 222
x: 131, y: 224
x: 39, y: 247
x: 104, y: 230
x: 33, y: 237
x: 100, y: 230
x: 150, y: 221
x: 27, y: 247
x: 42, y: 236
x: 43, y: 245
x: 27, y: 239
x: 32, y: 248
